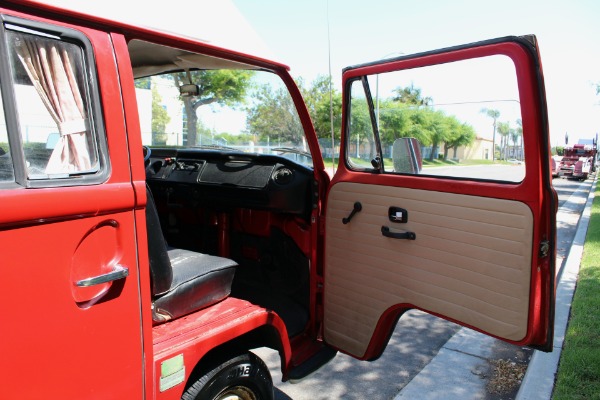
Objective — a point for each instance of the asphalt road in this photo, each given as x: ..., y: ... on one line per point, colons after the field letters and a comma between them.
x: 500, y: 172
x: 416, y: 339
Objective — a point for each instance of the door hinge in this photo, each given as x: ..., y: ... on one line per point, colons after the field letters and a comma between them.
x: 315, y: 194
x: 544, y: 248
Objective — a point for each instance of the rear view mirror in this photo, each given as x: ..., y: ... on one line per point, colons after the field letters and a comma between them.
x: 406, y: 156
x: 189, y: 90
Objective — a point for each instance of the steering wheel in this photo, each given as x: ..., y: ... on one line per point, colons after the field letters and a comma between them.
x: 147, y: 153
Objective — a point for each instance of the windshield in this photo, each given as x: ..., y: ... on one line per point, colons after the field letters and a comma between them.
x: 227, y: 109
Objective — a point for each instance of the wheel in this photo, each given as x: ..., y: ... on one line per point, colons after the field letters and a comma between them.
x: 245, y: 377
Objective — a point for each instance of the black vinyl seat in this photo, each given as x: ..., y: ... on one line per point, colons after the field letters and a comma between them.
x: 183, y: 281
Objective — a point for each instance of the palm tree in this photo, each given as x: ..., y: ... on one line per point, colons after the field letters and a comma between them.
x: 412, y: 96
x: 504, y: 131
x: 494, y: 114
x: 519, y: 131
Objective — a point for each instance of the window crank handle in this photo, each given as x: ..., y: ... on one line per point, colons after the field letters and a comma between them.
x: 357, y: 208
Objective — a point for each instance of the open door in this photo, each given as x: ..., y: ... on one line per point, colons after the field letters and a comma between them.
x: 469, y: 235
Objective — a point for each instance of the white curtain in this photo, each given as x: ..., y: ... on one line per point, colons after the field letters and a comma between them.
x: 50, y: 68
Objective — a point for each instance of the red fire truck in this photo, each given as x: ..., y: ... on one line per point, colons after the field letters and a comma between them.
x: 140, y: 262
x: 578, y: 161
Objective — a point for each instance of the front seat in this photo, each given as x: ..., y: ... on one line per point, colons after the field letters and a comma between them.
x: 183, y: 281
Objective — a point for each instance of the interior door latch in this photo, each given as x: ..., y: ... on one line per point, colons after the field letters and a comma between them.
x: 397, y: 214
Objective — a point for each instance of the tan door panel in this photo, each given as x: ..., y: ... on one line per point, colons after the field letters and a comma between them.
x: 470, y: 261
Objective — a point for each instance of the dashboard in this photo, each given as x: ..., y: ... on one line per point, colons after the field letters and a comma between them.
x: 229, y: 179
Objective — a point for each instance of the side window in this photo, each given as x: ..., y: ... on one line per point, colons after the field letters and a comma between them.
x: 459, y: 119
x: 6, y: 166
x: 52, y: 121
x: 360, y: 145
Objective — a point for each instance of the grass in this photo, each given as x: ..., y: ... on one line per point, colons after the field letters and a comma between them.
x: 579, y: 370
x: 440, y: 163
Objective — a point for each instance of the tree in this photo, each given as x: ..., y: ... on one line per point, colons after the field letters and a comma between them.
x: 439, y: 129
x: 274, y: 115
x: 143, y: 83
x: 494, y: 114
x: 559, y: 150
x: 160, y: 119
x: 398, y: 120
x: 224, y: 87
x: 514, y: 134
x: 504, y: 131
x: 395, y: 121
x: 404, y: 117
x: 430, y: 127
x: 320, y: 105
x: 519, y: 134
x: 360, y: 123
x: 461, y: 134
x: 411, y: 95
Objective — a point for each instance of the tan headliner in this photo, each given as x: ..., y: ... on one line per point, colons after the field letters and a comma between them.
x: 150, y: 59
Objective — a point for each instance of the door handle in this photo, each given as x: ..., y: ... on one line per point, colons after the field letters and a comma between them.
x: 119, y: 272
x: 385, y: 231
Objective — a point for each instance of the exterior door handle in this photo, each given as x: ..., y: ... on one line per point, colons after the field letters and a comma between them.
x: 119, y: 272
x: 385, y: 231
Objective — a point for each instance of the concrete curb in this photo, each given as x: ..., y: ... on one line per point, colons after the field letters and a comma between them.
x: 538, y: 382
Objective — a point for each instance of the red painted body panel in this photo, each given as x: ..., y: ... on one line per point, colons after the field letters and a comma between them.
x: 55, y: 333
x: 196, y: 334
x: 49, y: 237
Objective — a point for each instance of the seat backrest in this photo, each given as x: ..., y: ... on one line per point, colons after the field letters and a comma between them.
x: 161, y: 272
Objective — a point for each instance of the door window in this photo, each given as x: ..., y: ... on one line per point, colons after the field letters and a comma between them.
x: 51, y: 98
x: 464, y: 118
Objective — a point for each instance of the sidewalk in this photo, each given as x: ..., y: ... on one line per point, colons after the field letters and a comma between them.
x: 457, y: 371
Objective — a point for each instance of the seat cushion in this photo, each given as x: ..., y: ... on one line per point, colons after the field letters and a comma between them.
x: 199, y: 280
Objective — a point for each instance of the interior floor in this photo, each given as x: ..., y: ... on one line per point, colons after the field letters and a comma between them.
x: 272, y: 272
x: 277, y: 279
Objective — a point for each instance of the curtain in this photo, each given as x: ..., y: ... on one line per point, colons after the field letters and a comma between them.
x: 49, y: 65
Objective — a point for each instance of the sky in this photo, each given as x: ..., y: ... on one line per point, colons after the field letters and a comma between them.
x: 307, y: 34
x: 315, y: 37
